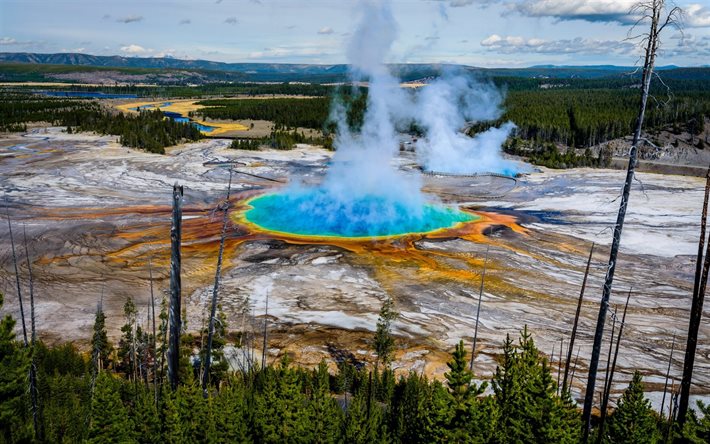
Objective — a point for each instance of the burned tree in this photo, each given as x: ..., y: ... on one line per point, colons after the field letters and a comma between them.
x: 215, y: 289
x: 576, y: 321
x: 610, y: 379
x: 696, y: 310
x: 649, y: 11
x: 174, y: 312
x: 478, y: 310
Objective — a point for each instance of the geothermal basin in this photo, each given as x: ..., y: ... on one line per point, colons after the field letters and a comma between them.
x: 96, y: 213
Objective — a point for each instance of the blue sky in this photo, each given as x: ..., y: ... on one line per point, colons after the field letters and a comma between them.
x: 490, y: 33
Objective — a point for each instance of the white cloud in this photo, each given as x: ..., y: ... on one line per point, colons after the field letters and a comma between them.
x: 9, y: 41
x: 130, y: 19
x: 134, y: 49
x: 619, y: 11
x: 170, y: 53
x: 325, y: 30
x: 696, y: 16
x: 515, y: 44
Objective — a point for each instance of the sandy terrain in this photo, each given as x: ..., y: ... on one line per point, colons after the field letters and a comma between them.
x: 95, y: 212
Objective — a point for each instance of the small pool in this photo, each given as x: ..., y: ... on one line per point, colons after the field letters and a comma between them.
x: 317, y: 213
x: 182, y: 119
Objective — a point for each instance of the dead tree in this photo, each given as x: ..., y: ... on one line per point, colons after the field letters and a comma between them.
x: 215, y: 290
x: 174, y: 312
x: 559, y: 365
x: 266, y: 320
x: 17, y: 275
x: 478, y: 310
x: 650, y: 10
x: 610, y: 380
x: 33, y: 330
x: 668, y: 375
x: 155, y: 350
x: 608, y: 362
x: 696, y: 311
x: 576, y: 321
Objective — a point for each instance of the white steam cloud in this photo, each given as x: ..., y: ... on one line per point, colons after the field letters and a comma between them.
x: 363, y: 191
x: 362, y: 164
x: 444, y: 108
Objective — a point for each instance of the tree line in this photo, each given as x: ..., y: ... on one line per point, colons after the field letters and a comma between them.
x: 147, y: 130
x: 117, y: 395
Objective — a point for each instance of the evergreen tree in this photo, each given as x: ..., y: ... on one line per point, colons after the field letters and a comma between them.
x: 384, y: 342
x: 697, y: 430
x: 232, y: 414
x: 359, y: 428
x: 14, y: 368
x: 100, y: 346
x: 110, y: 422
x: 463, y: 393
x: 633, y: 421
x: 127, y: 343
x: 324, y: 414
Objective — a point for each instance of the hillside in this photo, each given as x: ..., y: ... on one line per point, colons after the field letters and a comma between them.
x: 33, y: 66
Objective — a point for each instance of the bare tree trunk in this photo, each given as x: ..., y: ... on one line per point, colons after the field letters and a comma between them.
x: 574, y: 369
x: 215, y: 290
x: 478, y: 310
x: 266, y: 320
x: 653, y: 10
x: 696, y: 312
x: 576, y: 321
x: 608, y: 366
x: 33, y: 365
x: 559, y: 365
x: 17, y: 275
x: 155, y: 350
x: 610, y: 380
x: 174, y: 312
x: 668, y: 374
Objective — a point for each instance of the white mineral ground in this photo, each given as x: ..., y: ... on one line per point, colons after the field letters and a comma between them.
x: 95, y: 211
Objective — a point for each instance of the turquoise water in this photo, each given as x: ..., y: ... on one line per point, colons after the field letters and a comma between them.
x: 316, y: 213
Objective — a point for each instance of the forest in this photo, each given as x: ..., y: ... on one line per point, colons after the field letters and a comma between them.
x: 578, y: 113
x: 120, y: 395
x: 148, y: 130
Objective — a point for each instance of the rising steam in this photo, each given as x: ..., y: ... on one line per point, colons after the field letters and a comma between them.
x: 363, y: 193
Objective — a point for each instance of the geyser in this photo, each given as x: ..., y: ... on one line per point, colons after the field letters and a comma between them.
x: 315, y: 213
x: 363, y: 194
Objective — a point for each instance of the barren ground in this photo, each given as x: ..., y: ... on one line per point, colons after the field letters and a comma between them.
x: 95, y: 212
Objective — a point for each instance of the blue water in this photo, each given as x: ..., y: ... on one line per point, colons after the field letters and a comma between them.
x: 315, y: 212
x: 93, y: 95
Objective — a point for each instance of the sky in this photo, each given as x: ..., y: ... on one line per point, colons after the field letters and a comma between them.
x: 486, y: 33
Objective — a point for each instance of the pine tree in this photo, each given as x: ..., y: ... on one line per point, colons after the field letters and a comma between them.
x: 324, y: 414
x: 173, y: 428
x: 232, y: 414
x: 633, y: 421
x: 14, y: 368
x: 384, y: 342
x: 463, y: 392
x: 100, y: 346
x: 109, y: 418
x: 697, y: 430
x: 358, y: 427
x: 145, y: 417
x: 127, y: 343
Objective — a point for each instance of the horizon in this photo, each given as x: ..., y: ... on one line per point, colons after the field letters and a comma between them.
x: 509, y: 34
x: 540, y: 65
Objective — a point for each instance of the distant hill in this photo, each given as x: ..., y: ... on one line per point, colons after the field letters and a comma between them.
x: 13, y: 66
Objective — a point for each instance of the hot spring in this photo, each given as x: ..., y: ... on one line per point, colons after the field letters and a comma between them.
x: 314, y: 212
